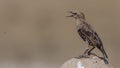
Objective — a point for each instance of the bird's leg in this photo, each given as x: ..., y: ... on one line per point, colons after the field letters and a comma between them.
x: 85, y: 54
x: 89, y: 52
x: 86, y: 51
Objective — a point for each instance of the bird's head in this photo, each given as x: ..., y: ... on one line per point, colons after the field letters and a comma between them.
x: 76, y: 15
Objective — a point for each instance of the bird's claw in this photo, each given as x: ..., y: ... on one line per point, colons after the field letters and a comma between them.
x: 82, y: 56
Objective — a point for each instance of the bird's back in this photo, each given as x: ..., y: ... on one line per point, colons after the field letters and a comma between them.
x: 90, y: 36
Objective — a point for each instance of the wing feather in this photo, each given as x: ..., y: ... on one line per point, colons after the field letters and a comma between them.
x: 90, y: 36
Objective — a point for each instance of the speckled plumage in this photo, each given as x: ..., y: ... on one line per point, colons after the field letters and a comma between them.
x: 87, y: 33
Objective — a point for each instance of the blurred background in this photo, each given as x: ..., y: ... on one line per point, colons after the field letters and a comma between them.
x: 37, y: 33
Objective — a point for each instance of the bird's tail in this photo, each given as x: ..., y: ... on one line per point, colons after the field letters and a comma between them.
x: 104, y: 55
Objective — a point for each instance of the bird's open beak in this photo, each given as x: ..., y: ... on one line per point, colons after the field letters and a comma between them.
x: 71, y: 14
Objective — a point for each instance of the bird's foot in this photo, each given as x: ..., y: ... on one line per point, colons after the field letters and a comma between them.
x: 83, y: 56
x: 93, y: 54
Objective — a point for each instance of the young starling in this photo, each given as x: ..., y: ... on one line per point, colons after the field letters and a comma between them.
x: 87, y: 33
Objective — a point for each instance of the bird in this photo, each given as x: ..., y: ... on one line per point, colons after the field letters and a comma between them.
x: 88, y: 34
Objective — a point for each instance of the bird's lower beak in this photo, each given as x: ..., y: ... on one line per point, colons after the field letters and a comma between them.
x: 70, y: 13
x: 70, y: 16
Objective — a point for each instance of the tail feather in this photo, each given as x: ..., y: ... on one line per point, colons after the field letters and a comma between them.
x: 104, y: 54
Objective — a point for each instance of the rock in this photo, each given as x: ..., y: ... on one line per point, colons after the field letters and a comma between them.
x: 90, y: 62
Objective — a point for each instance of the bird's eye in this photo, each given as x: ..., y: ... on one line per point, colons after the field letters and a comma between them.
x: 75, y: 13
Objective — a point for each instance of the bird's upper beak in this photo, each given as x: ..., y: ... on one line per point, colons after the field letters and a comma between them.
x: 71, y: 14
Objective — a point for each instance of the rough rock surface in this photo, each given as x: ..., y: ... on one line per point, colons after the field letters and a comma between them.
x: 91, y: 62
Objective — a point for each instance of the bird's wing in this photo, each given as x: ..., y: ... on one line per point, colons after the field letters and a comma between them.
x: 85, y: 36
x: 90, y: 36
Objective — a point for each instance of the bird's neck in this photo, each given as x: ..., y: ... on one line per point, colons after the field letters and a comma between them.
x: 80, y: 21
